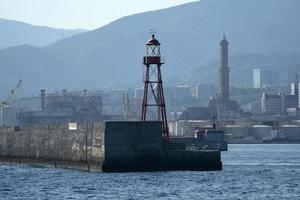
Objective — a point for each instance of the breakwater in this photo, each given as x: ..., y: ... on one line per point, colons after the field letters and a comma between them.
x: 54, y: 145
x: 108, y: 146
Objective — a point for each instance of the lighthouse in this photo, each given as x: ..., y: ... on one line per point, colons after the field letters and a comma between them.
x: 154, y: 107
x: 224, y: 75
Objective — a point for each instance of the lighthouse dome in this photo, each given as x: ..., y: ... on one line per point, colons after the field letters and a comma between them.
x: 153, y: 41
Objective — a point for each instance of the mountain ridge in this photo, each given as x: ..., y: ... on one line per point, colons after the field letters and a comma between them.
x: 16, y: 33
x: 112, y: 55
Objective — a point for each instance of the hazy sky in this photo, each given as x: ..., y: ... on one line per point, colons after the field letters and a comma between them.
x: 88, y: 14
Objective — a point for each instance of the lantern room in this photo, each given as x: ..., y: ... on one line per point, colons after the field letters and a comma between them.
x: 153, y: 47
x: 152, y: 51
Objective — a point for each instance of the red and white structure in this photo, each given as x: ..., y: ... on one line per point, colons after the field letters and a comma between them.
x: 154, y: 107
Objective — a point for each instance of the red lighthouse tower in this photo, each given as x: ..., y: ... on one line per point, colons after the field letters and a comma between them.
x: 154, y: 107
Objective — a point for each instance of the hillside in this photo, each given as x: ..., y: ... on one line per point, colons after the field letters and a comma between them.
x: 14, y: 33
x: 266, y: 31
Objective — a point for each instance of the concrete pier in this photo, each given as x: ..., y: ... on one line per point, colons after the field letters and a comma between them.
x: 108, y: 146
x: 138, y: 146
x: 54, y: 145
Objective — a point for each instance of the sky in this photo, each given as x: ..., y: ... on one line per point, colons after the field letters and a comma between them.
x: 72, y: 14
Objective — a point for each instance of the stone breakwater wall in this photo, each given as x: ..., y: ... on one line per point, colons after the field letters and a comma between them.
x: 118, y: 146
x: 54, y: 145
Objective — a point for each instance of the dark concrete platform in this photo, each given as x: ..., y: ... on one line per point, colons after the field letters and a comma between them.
x: 119, y: 146
x: 138, y: 146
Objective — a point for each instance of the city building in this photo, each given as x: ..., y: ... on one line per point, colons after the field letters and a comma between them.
x: 198, y: 113
x: 204, y: 91
x: 65, y: 107
x: 182, y: 92
x: 272, y: 103
x: 262, y: 78
x: 281, y: 103
x: 8, y: 115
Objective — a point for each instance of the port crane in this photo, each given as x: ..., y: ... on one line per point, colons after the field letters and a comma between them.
x: 11, y: 100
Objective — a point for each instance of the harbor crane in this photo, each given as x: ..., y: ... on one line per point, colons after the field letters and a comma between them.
x: 12, y: 97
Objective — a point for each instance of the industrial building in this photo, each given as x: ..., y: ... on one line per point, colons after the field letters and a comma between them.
x: 249, y: 131
x: 8, y: 111
x: 8, y: 115
x: 281, y: 103
x: 65, y: 107
x: 272, y: 103
x: 204, y: 91
x: 187, y: 128
x: 262, y: 78
x: 182, y: 92
x: 198, y: 113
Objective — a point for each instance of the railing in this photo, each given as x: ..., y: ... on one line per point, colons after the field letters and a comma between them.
x: 153, y: 60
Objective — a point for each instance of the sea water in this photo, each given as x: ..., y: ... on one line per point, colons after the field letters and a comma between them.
x: 264, y: 171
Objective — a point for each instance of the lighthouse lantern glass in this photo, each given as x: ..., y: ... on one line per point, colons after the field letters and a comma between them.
x: 153, y: 50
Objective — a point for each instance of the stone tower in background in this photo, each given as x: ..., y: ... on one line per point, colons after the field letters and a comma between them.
x: 224, y: 74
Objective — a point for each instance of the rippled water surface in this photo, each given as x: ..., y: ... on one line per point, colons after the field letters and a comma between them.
x: 270, y: 171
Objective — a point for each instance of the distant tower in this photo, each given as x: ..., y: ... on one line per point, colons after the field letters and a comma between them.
x: 43, y: 99
x: 296, y: 85
x: 154, y: 107
x: 224, y: 74
x: 295, y: 89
